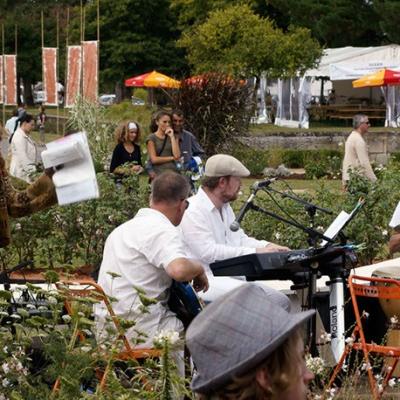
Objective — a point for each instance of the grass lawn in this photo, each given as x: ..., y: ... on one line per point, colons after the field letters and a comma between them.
x: 298, y: 184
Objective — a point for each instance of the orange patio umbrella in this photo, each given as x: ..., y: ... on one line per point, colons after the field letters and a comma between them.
x: 383, y: 77
x: 153, y: 79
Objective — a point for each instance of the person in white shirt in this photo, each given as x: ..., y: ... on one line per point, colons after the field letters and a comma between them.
x: 147, y: 252
x: 356, y: 151
x: 9, y: 127
x: 12, y: 123
x: 23, y: 150
x: 206, y: 226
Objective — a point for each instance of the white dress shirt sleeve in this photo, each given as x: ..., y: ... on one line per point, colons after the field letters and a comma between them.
x: 208, y: 238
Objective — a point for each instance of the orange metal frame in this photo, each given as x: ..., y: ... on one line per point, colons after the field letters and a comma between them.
x: 380, y: 288
x: 88, y: 288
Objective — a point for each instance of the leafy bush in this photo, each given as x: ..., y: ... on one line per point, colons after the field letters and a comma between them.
x: 217, y: 109
x: 46, y: 346
x: 370, y: 226
x: 75, y: 234
x: 254, y: 159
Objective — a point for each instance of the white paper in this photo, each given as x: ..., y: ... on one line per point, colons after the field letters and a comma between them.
x: 76, y: 181
x: 336, y: 226
x: 395, y: 221
x: 65, y: 153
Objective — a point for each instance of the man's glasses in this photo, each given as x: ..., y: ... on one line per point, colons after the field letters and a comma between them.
x: 367, y: 122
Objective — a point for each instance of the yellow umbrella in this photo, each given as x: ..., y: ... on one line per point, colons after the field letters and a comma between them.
x: 153, y: 79
x: 380, y: 78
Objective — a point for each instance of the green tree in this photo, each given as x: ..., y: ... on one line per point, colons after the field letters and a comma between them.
x: 389, y: 19
x: 136, y: 36
x: 334, y: 23
x: 237, y: 41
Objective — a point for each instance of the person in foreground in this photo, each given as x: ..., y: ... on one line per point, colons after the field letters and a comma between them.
x: 147, y: 253
x: 37, y: 196
x: 246, y: 347
x: 206, y: 225
x: 356, y: 151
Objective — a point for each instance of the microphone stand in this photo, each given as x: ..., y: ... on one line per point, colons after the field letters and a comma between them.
x: 310, y: 208
x: 311, y: 232
x: 313, y: 236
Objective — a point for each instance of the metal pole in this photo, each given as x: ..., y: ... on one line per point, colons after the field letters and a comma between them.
x: 4, y: 75
x: 57, y: 70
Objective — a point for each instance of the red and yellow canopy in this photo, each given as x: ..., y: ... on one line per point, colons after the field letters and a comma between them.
x: 153, y: 79
x: 380, y: 78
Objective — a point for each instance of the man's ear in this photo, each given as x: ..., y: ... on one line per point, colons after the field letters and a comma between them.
x: 262, y: 378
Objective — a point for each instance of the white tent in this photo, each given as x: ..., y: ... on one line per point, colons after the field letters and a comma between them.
x: 341, y: 66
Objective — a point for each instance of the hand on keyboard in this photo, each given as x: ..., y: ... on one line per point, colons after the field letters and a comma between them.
x: 272, y: 248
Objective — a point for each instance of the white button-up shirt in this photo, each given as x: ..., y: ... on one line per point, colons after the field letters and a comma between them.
x: 207, y: 235
x: 139, y: 251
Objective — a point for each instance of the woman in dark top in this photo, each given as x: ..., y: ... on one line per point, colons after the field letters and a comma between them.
x: 127, y: 150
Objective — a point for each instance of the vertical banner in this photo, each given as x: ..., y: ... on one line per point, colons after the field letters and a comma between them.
x: 1, y: 79
x: 49, y: 57
x: 90, y: 70
x: 74, y: 65
x: 10, y: 77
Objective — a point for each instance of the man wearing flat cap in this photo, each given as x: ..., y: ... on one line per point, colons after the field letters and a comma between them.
x: 246, y: 347
x: 206, y: 226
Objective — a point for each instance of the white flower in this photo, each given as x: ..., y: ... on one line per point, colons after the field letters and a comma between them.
x: 366, y: 367
x: 15, y: 316
x: 17, y: 226
x: 52, y: 300
x: 5, y: 382
x: 392, y: 382
x: 86, y: 349
x: 365, y: 314
x: 394, y: 319
x: 97, y: 138
x: 170, y: 336
x: 277, y: 235
x: 340, y: 144
x: 326, y: 337
x: 6, y: 368
x: 315, y: 365
x: 384, y: 232
x: 66, y: 318
x: 350, y: 340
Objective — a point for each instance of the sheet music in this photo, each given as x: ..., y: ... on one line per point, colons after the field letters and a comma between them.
x: 395, y: 221
x: 76, y: 181
x: 336, y: 226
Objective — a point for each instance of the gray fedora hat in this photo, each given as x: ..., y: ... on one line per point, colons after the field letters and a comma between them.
x: 236, y: 333
x: 225, y: 165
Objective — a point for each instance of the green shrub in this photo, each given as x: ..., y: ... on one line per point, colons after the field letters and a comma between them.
x: 370, y: 226
x: 254, y: 159
x: 216, y: 109
x: 293, y: 158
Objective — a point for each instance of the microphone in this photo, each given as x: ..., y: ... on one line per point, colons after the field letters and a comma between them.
x: 235, y: 225
x: 262, y: 184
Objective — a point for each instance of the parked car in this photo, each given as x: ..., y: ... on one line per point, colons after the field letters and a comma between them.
x: 136, y: 101
x: 107, y: 99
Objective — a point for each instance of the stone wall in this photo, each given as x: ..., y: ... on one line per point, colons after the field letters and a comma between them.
x: 381, y: 144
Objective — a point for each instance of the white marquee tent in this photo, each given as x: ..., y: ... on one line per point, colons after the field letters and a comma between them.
x: 341, y: 66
